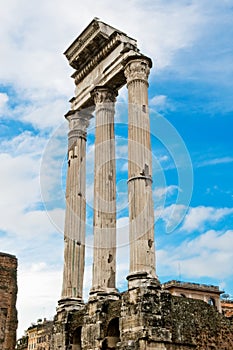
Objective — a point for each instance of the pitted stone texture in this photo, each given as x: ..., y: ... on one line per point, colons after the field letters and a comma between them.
x: 149, y: 318
x: 75, y: 219
x: 154, y: 319
x: 8, y: 295
x: 138, y: 69
x: 141, y: 208
x: 104, y: 222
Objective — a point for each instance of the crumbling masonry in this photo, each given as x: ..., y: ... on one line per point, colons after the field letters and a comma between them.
x: 8, y: 294
x: 145, y: 316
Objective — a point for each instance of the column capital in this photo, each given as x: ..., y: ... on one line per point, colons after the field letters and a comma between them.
x: 138, y: 69
x: 102, y: 94
x: 78, y: 124
x: 79, y: 120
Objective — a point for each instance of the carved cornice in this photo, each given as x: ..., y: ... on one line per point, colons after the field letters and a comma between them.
x: 137, y: 69
x: 80, y: 42
x: 78, y: 75
x: 96, y: 42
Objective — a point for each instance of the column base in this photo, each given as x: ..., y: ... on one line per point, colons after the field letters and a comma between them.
x: 100, y: 294
x: 142, y: 279
x: 69, y: 304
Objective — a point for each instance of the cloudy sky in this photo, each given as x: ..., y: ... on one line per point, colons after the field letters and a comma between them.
x: 191, y: 86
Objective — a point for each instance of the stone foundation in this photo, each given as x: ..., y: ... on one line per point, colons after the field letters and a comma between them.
x: 144, y: 318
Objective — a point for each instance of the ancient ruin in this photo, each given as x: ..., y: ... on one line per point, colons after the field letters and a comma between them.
x: 8, y: 295
x: 145, y: 316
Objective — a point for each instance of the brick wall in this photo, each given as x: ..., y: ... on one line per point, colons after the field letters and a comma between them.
x: 8, y: 294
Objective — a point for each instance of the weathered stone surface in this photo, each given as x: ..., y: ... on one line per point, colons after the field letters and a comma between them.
x: 8, y: 295
x: 144, y: 318
x: 98, y: 56
x: 141, y: 208
x: 104, y: 222
x: 75, y: 219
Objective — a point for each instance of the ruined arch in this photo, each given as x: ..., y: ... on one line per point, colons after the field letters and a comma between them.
x: 76, y: 341
x: 112, y: 335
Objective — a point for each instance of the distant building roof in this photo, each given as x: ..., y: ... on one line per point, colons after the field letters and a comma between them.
x: 191, y: 286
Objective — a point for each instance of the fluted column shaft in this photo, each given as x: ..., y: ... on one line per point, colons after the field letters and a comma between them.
x: 141, y: 210
x: 104, y: 261
x: 74, y: 235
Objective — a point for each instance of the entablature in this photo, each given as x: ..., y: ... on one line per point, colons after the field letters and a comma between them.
x: 99, y: 56
x: 91, y: 41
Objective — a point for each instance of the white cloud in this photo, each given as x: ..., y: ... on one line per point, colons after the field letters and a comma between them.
x: 24, y: 144
x: 21, y: 190
x: 193, y: 218
x: 53, y: 168
x: 3, y: 101
x: 121, y: 150
x: 171, y: 215
x: 209, y: 255
x: 26, y: 229
x: 161, y: 103
x: 160, y: 192
x: 39, y: 290
x: 123, y: 232
x: 21, y: 203
x: 41, y: 114
x: 124, y: 166
x: 215, y: 161
x: 163, y: 158
x: 37, y: 36
x: 198, y: 217
x: 46, y: 114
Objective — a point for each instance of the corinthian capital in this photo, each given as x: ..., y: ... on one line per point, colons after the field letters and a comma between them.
x: 137, y: 69
x: 103, y: 95
x: 79, y: 121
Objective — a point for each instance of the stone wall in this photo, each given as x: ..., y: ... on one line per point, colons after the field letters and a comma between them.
x: 144, y: 318
x: 201, y: 325
x: 8, y: 294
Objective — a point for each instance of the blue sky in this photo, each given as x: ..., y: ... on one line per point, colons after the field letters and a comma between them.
x: 190, y: 93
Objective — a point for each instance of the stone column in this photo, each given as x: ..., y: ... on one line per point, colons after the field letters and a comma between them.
x: 104, y: 261
x: 141, y: 209
x: 75, y: 218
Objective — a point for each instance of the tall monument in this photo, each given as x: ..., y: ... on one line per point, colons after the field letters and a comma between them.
x: 104, y: 60
x: 144, y: 317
